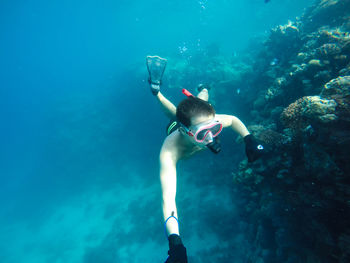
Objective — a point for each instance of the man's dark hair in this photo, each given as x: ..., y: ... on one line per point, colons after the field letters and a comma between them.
x: 192, y: 107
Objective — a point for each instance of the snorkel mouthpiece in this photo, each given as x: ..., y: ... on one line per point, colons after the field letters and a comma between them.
x: 215, y: 145
x: 187, y: 93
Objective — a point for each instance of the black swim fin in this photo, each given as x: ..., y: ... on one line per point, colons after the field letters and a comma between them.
x: 156, y: 67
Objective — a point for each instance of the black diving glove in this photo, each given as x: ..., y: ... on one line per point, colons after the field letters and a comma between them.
x: 252, y: 148
x: 177, y: 251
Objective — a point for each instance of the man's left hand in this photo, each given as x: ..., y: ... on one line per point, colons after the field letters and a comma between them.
x: 253, y: 149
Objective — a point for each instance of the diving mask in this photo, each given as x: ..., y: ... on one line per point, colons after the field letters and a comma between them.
x: 204, y: 132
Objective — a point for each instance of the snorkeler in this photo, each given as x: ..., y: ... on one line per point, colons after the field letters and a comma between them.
x: 194, y: 127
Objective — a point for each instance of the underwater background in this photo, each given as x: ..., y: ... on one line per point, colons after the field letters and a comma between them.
x: 81, y: 132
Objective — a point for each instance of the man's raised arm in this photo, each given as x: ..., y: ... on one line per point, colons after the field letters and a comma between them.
x: 252, y: 148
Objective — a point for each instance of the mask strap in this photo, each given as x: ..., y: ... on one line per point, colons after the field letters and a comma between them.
x: 187, y: 130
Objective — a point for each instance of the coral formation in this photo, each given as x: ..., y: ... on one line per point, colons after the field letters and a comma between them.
x: 301, y: 187
x: 303, y: 191
x: 308, y: 110
x: 340, y: 86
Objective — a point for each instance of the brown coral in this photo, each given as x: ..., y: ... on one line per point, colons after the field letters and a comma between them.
x: 272, y: 138
x: 339, y: 90
x: 292, y: 116
x: 327, y: 51
x: 338, y: 86
x: 307, y: 110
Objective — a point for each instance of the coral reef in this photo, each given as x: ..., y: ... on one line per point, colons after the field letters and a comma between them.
x: 340, y: 86
x: 301, y: 188
x: 308, y: 110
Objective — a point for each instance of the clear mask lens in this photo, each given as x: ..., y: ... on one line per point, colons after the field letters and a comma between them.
x: 213, y: 131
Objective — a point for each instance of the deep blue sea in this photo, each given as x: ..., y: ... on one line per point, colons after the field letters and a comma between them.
x: 80, y: 131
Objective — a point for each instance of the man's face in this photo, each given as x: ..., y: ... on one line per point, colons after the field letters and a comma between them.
x: 196, y: 122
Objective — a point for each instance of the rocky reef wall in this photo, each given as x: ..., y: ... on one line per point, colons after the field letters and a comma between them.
x: 300, y: 190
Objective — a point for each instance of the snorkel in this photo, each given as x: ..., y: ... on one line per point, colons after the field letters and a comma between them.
x: 214, y: 145
x: 187, y: 93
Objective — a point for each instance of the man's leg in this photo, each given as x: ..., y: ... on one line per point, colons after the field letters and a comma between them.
x: 203, y: 94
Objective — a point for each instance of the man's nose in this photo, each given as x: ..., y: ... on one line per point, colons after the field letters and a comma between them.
x: 209, y: 138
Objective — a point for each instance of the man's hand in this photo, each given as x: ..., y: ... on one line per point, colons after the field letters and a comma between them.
x: 177, y: 252
x: 252, y: 148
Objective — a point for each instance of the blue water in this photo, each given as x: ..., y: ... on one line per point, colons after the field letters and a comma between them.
x: 80, y: 132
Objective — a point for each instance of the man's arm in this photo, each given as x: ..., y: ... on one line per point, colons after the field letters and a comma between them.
x: 168, y: 107
x: 168, y: 161
x: 252, y: 148
x: 233, y: 122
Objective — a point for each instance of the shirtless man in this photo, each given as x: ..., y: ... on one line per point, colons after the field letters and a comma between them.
x: 195, y: 127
